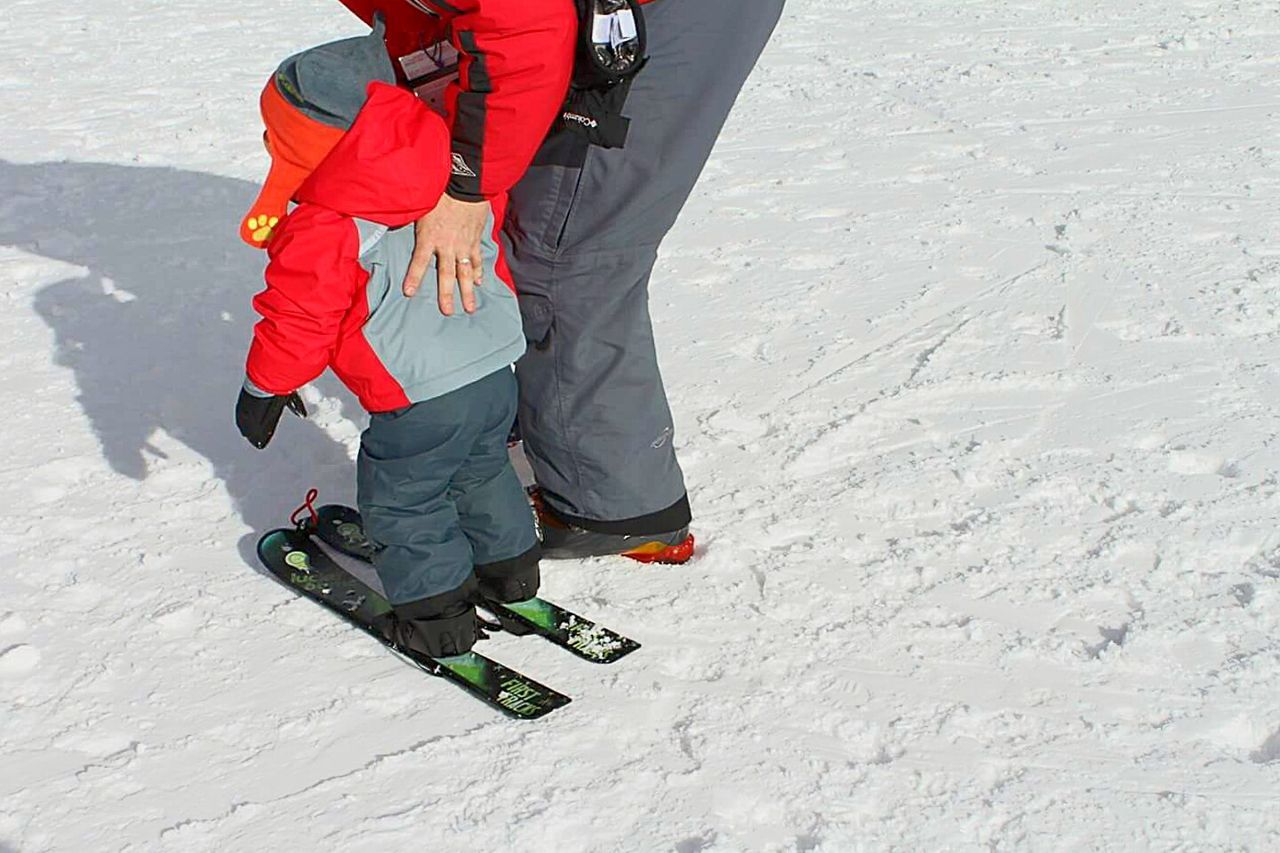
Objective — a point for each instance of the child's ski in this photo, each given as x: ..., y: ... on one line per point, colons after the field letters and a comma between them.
x: 340, y: 527
x: 294, y: 558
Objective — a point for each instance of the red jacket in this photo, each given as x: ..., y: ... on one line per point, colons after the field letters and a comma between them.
x: 337, y: 261
x: 516, y: 60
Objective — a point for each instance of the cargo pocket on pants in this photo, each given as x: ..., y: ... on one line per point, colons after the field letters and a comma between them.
x: 538, y: 320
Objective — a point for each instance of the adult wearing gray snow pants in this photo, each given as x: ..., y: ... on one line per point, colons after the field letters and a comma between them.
x: 582, y: 236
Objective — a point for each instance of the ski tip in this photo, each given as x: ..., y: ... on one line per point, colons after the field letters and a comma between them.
x: 624, y: 647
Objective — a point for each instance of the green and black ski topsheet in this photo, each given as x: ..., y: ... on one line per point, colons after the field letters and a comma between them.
x: 296, y: 559
x: 340, y: 527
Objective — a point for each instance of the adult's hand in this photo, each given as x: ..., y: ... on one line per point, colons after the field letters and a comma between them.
x: 451, y: 234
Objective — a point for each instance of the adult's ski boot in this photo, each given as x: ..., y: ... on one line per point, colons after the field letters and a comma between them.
x: 562, y: 540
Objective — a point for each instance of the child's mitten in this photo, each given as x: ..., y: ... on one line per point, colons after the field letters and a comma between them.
x: 257, y: 416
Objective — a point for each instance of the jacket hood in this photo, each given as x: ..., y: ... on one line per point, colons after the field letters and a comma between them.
x: 391, y: 166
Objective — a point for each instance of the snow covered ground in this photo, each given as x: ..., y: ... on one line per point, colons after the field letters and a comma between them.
x: 971, y: 329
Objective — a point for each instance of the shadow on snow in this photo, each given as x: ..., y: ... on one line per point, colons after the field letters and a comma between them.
x: 156, y: 332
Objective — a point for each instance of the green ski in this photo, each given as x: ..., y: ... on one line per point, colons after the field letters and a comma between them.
x: 340, y: 527
x: 296, y: 559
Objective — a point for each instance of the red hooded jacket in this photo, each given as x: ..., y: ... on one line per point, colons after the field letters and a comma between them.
x: 333, y: 294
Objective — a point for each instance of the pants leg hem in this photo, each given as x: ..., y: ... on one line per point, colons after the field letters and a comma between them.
x: 674, y: 517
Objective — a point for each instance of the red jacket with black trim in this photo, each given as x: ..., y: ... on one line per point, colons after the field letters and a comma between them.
x: 516, y: 58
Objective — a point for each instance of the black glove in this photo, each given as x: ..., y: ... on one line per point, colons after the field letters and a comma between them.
x: 257, y: 416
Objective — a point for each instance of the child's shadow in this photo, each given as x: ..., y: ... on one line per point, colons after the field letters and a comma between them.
x: 157, y: 332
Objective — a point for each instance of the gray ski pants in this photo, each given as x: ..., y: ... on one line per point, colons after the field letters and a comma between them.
x: 582, y: 236
x: 437, y: 491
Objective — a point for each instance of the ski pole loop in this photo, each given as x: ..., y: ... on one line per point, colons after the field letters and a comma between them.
x: 309, y: 507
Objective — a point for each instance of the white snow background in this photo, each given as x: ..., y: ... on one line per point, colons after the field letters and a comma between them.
x: 971, y: 331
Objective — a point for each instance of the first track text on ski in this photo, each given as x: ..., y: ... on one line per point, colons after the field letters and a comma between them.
x: 297, y: 560
x: 340, y: 527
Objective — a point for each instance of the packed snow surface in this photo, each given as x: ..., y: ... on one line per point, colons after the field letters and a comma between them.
x: 971, y: 330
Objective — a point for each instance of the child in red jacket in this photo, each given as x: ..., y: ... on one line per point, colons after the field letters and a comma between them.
x: 364, y: 159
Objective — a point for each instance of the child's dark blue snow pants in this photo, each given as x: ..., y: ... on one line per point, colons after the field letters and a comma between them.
x: 437, y: 491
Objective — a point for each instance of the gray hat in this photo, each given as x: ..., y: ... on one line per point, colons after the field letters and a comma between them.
x: 328, y: 82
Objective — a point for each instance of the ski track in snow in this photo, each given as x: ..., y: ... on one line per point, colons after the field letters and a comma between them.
x: 970, y: 330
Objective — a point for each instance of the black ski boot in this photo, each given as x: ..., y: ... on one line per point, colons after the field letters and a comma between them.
x: 439, y: 626
x: 516, y: 579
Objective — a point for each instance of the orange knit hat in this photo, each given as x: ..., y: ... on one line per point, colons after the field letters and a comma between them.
x: 297, y: 144
x: 307, y: 105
